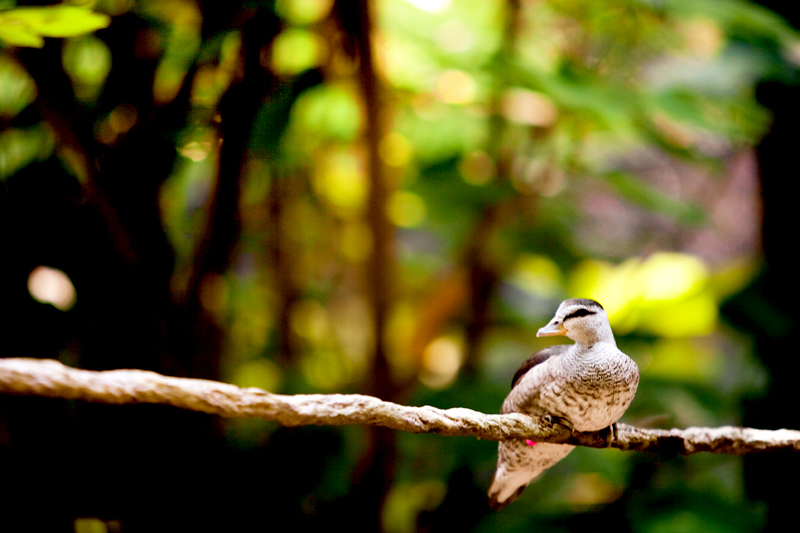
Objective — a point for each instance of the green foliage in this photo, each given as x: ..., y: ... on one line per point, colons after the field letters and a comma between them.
x: 28, y: 26
x: 20, y: 147
x: 17, y: 89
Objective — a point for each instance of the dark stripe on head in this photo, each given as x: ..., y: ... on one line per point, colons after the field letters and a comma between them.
x: 580, y: 312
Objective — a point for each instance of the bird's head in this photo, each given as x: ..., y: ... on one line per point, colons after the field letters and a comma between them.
x: 582, y: 320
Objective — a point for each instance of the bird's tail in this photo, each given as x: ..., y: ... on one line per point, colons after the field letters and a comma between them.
x: 518, y: 463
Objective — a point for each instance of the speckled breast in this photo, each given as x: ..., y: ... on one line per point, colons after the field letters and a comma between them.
x: 592, y: 393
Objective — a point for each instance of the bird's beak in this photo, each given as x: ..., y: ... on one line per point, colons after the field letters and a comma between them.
x: 551, y: 330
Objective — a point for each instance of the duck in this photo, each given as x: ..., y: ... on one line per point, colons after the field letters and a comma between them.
x: 585, y: 386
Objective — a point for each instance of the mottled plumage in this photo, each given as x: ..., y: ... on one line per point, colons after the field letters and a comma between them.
x: 586, y: 386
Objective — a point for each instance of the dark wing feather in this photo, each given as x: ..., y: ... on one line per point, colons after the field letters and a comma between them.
x: 537, y: 358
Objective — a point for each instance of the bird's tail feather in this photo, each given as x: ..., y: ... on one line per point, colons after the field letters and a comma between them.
x: 518, y: 463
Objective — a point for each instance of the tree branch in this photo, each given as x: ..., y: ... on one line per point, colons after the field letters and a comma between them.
x: 52, y: 379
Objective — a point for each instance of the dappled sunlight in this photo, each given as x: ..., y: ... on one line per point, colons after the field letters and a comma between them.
x: 666, y: 293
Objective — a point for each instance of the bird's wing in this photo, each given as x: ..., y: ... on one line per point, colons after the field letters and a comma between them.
x: 538, y: 358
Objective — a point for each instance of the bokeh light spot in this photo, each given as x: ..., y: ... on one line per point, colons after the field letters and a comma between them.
x: 294, y: 51
x: 396, y: 150
x: 406, y: 501
x: 51, y: 286
x: 89, y: 525
x: 342, y: 181
x: 116, y: 124
x: 406, y: 209
x: 431, y: 6
x: 528, y: 107
x: 260, y: 373
x: 356, y: 243
x: 310, y: 320
x: 477, y: 167
x: 196, y: 150
x: 213, y: 293
x: 441, y: 360
x: 326, y: 369
x: 592, y: 489
x: 328, y: 111
x: 454, y: 36
x: 703, y: 37
x: 539, y: 275
x: 456, y: 87
x: 303, y: 12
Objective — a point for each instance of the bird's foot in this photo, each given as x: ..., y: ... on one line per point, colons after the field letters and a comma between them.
x: 610, y: 434
x: 560, y: 421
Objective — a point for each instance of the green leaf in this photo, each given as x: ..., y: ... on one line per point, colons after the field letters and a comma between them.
x: 27, y: 26
x: 13, y: 33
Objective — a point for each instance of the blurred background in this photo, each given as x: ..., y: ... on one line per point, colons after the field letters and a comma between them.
x: 390, y: 197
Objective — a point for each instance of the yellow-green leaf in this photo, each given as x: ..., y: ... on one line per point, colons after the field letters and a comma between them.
x: 14, y: 33
x: 27, y: 26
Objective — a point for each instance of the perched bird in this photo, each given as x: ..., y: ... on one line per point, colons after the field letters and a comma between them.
x: 586, y: 386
